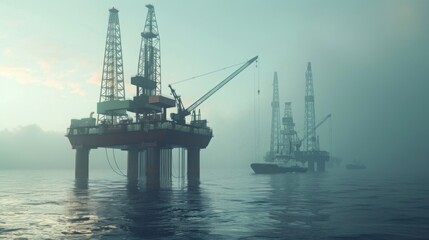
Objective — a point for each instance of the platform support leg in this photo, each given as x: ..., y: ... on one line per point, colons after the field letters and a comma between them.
x: 153, y: 167
x: 321, y: 165
x: 82, y: 163
x: 311, y: 165
x: 193, y: 166
x: 133, y: 165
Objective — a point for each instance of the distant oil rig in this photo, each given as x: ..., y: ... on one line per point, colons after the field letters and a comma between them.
x: 149, y: 137
x: 285, y: 144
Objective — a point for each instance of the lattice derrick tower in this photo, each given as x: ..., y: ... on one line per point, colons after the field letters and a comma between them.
x: 275, y: 118
x: 289, y: 135
x: 310, y: 142
x: 149, y: 65
x: 112, y: 82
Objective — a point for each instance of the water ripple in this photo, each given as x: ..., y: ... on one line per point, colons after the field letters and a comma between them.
x: 237, y: 206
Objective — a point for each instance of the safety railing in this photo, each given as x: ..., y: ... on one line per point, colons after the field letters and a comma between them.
x: 138, y: 127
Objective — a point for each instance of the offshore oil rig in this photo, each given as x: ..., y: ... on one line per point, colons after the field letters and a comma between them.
x: 149, y: 137
x: 285, y: 144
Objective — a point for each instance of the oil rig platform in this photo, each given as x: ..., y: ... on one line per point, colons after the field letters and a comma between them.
x: 285, y: 144
x: 149, y: 137
x: 312, y: 154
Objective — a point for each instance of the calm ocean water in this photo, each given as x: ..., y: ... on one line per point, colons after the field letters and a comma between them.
x: 233, y: 204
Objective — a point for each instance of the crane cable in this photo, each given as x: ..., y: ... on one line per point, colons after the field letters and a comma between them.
x: 256, y: 110
x: 208, y: 73
x: 330, y: 133
x: 114, y: 158
x: 107, y: 157
x: 180, y: 158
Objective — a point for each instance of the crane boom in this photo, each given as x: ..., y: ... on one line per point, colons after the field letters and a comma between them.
x: 318, y: 125
x: 182, y: 112
x: 221, y: 84
x: 178, y: 99
x: 321, y: 122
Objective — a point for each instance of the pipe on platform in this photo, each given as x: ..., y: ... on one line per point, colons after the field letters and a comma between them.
x: 165, y: 167
x: 133, y: 165
x: 82, y: 163
x: 193, y: 166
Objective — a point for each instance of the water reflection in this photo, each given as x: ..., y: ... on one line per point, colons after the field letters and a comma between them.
x: 122, y: 209
x: 166, y: 213
x: 81, y: 219
x: 295, y: 207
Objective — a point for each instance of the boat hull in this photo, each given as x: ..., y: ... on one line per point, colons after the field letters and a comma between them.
x: 269, y: 168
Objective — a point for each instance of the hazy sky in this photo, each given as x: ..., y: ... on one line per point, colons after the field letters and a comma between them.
x: 369, y: 59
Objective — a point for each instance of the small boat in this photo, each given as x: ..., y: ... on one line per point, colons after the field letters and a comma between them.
x: 354, y: 165
x: 267, y: 168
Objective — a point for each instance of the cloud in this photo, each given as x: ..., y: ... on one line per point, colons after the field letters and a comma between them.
x: 44, y: 62
x: 95, y: 78
x: 27, y: 76
x: 53, y: 84
x: 20, y: 74
x: 45, y: 65
x: 7, y: 51
x: 75, y: 88
x: 47, y: 72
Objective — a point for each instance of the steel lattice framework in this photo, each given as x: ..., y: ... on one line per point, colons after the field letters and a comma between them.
x: 275, y: 118
x: 112, y: 83
x: 310, y: 142
x: 289, y: 135
x: 149, y: 65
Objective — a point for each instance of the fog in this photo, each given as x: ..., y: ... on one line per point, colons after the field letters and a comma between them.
x: 30, y: 147
x: 369, y: 61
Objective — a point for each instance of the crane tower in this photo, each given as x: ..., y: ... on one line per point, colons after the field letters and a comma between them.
x: 112, y: 82
x: 310, y: 142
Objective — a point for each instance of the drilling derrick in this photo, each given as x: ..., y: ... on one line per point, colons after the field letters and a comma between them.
x: 289, y: 137
x: 315, y: 158
x: 310, y: 143
x: 150, y: 55
x: 275, y: 122
x: 112, y: 84
x: 148, y: 78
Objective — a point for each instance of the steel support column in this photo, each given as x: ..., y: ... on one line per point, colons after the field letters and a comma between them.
x: 311, y: 165
x: 321, y: 165
x: 133, y: 165
x: 82, y: 163
x: 193, y: 166
x: 153, y: 167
